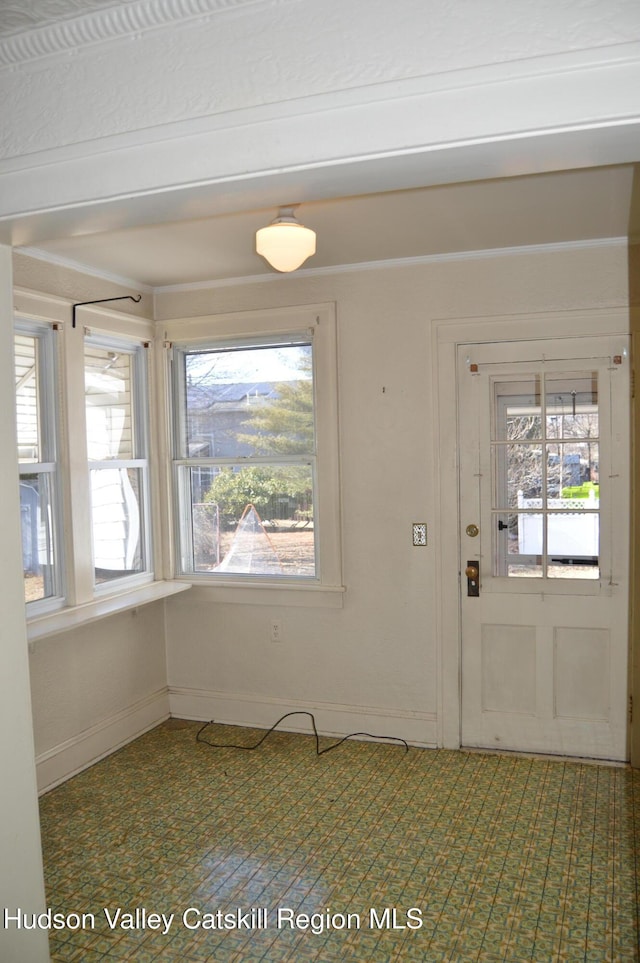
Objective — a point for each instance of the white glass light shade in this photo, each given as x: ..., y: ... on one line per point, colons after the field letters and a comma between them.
x: 285, y: 243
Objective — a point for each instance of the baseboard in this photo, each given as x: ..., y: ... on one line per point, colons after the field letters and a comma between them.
x: 58, y: 764
x: 240, y: 709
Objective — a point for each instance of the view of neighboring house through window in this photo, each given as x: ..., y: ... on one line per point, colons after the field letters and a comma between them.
x: 35, y: 371
x: 246, y: 458
x: 117, y: 453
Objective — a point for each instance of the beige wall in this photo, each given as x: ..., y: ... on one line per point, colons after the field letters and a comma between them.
x: 21, y: 882
x: 38, y: 275
x: 634, y: 301
x: 97, y: 686
x: 377, y: 655
x: 374, y: 661
x: 397, y: 297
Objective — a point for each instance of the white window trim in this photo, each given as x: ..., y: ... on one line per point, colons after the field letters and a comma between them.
x: 326, y: 588
x: 82, y: 604
x: 48, y: 390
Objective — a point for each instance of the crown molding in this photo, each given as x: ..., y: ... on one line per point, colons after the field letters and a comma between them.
x: 40, y: 255
x: 311, y: 272
x: 123, y: 20
x: 523, y: 249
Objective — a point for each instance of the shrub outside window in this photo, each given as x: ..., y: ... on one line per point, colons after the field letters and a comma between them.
x: 245, y: 447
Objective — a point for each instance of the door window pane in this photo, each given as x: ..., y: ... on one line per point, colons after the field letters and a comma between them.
x: 514, y: 532
x: 572, y: 474
x: 573, y: 544
x: 518, y: 412
x: 572, y: 407
x: 555, y: 531
x: 523, y: 468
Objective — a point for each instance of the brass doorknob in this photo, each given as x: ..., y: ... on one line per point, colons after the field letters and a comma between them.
x: 471, y: 572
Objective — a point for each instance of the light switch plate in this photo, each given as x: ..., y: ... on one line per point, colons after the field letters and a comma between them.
x: 419, y: 533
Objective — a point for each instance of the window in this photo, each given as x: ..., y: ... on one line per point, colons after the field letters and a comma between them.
x: 35, y: 375
x: 246, y: 443
x: 83, y: 426
x: 115, y: 393
x: 255, y: 453
x: 546, y: 472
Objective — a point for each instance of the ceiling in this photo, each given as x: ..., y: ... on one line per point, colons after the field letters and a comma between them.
x: 559, y: 207
x: 21, y: 15
x: 446, y: 219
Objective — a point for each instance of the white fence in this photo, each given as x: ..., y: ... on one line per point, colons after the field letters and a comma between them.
x: 575, y: 532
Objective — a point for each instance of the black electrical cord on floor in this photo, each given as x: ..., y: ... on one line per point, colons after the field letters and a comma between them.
x: 319, y: 751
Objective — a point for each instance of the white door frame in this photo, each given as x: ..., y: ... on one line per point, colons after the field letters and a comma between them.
x: 446, y: 336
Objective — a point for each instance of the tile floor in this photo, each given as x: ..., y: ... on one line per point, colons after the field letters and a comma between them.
x: 367, y: 853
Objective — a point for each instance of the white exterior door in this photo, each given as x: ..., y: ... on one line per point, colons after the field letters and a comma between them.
x: 544, y: 518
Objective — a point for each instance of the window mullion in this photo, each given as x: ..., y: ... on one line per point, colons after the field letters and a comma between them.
x: 77, y: 493
x: 119, y: 463
x: 246, y: 461
x: 37, y: 468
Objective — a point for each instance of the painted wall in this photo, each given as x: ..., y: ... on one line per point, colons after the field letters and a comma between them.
x: 96, y: 687
x: 372, y: 664
x: 634, y: 302
x: 21, y: 882
x: 35, y: 274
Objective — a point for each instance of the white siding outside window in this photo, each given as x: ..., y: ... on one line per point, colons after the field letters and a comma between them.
x: 37, y: 435
x: 117, y: 453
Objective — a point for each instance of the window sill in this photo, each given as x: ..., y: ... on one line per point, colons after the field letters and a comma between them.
x: 267, y: 593
x: 74, y: 616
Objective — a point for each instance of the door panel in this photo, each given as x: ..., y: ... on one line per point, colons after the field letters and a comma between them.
x: 544, y: 467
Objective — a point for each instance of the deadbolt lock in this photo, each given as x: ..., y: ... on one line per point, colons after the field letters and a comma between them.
x: 472, y: 531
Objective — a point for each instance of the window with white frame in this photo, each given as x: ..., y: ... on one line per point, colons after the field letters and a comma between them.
x: 37, y: 436
x: 255, y: 451
x: 117, y: 452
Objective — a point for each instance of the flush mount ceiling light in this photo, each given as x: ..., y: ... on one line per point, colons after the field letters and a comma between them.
x: 286, y: 243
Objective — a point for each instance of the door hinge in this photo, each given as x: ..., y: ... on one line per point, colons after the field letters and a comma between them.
x: 631, y: 708
x: 633, y: 384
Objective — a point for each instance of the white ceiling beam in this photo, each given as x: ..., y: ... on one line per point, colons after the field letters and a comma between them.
x: 491, y: 122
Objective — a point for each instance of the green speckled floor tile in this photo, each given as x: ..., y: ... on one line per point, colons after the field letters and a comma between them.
x: 367, y: 854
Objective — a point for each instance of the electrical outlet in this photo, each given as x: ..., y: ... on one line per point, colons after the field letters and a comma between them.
x: 419, y: 533
x: 276, y: 630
